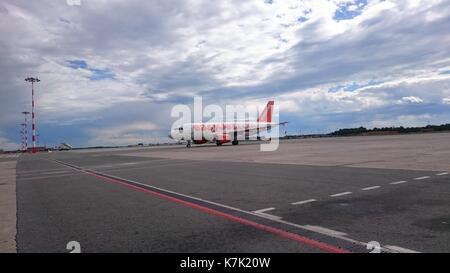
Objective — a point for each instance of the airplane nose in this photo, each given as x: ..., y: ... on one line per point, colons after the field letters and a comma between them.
x: 172, y: 134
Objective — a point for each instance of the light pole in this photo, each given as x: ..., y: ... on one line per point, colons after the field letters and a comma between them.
x: 33, y: 128
x: 22, y: 133
x: 25, y: 131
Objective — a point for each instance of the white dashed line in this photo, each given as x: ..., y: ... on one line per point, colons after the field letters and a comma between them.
x: 441, y: 174
x: 400, y: 249
x: 398, y: 182
x: 421, y: 178
x: 304, y: 202
x: 129, y: 163
x: 262, y: 213
x: 371, y: 188
x: 263, y: 210
x: 341, y: 194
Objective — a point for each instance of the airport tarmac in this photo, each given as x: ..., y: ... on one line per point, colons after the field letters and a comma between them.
x: 8, y: 203
x: 312, y: 195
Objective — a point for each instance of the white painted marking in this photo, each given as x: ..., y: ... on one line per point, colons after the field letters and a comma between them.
x: 400, y: 249
x: 266, y: 215
x: 55, y: 172
x: 371, y: 188
x: 398, y: 182
x: 341, y: 194
x: 421, y: 178
x: 304, y: 202
x: 328, y: 231
x: 129, y: 163
x: 50, y: 176
x: 441, y: 174
x: 38, y: 171
x: 263, y: 210
x: 150, y: 167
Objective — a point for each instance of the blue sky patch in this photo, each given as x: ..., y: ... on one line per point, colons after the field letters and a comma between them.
x: 302, y: 19
x: 97, y: 74
x: 101, y: 74
x: 349, y: 11
x: 352, y: 86
x: 77, y: 64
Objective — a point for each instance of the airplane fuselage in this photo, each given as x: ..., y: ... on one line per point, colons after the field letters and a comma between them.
x: 224, y: 132
x: 220, y: 133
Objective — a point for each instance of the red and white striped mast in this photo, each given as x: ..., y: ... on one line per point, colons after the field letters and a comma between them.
x: 33, y: 126
x: 22, y: 131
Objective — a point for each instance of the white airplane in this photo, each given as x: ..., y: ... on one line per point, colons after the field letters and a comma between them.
x: 224, y: 132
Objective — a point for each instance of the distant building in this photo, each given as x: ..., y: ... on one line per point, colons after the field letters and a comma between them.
x: 39, y: 149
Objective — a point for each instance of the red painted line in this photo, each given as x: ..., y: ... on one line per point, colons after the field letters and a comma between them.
x: 279, y: 232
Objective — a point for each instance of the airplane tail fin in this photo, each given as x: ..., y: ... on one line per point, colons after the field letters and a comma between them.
x: 266, y: 115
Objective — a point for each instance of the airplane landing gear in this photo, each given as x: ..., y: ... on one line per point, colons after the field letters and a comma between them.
x: 188, y: 145
x: 235, y: 141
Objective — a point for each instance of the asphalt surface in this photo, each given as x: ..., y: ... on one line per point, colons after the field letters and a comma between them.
x: 8, y: 203
x: 112, y: 202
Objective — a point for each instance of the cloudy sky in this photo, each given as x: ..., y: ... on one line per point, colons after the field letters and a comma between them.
x: 112, y: 70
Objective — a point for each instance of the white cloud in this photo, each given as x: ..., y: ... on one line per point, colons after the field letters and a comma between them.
x: 165, y: 51
x: 406, y: 121
x: 410, y: 99
x: 446, y: 100
x: 128, y: 134
x: 321, y: 101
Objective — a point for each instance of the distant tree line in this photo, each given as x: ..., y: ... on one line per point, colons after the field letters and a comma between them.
x: 396, y: 130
